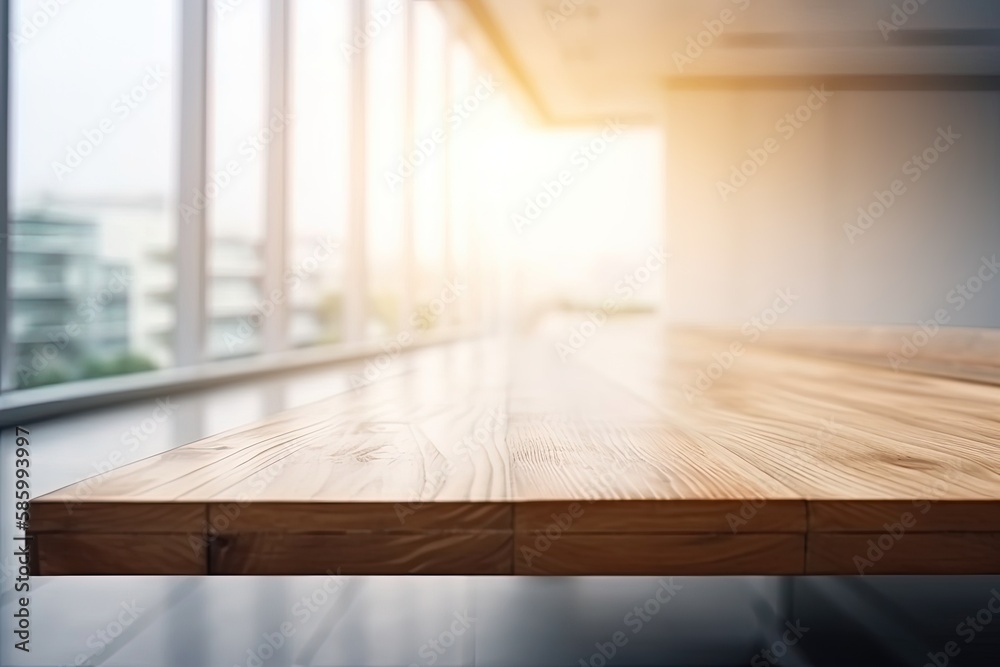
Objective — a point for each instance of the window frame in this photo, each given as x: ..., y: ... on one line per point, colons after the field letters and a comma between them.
x: 192, y: 368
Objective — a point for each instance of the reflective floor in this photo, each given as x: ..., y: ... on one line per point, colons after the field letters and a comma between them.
x: 506, y: 621
x: 257, y: 621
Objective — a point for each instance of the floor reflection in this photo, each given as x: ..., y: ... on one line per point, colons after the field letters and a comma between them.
x: 340, y: 621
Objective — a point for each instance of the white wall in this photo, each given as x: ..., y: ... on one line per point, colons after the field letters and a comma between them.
x: 785, y: 227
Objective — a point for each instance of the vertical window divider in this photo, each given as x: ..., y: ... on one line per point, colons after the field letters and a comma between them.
x: 409, y: 132
x: 6, y: 350
x: 275, y: 255
x: 446, y: 186
x: 191, y: 247
x: 356, y: 283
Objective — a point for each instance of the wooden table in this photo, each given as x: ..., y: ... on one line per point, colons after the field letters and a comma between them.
x: 645, y: 451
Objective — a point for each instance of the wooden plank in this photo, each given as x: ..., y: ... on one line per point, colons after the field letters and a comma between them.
x: 827, y: 429
x: 912, y: 553
x: 382, y: 444
x: 467, y: 451
x: 120, y: 553
x: 955, y: 352
x: 602, y: 460
x: 649, y: 554
x: 446, y: 552
x: 757, y: 434
x: 680, y: 516
x: 116, y: 517
x: 301, y: 517
x: 915, y: 516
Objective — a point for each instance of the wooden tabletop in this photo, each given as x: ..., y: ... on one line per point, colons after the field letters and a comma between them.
x: 636, y: 450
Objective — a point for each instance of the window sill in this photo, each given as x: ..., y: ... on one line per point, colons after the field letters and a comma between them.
x: 22, y: 406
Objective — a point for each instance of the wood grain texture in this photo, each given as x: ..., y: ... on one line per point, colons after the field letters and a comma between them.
x: 914, y: 553
x: 644, y: 516
x: 120, y: 554
x: 358, y: 517
x: 117, y: 517
x: 686, y: 452
x: 475, y: 552
x: 650, y: 554
x: 960, y: 352
x: 916, y: 516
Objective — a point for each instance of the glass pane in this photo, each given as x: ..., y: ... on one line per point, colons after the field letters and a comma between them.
x: 93, y: 128
x: 318, y: 179
x: 426, y: 159
x: 386, y: 88
x: 240, y: 128
x: 469, y: 98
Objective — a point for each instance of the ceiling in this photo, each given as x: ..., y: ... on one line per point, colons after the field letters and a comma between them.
x: 588, y: 59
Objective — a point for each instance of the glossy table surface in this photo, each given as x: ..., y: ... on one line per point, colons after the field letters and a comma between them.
x: 640, y: 450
